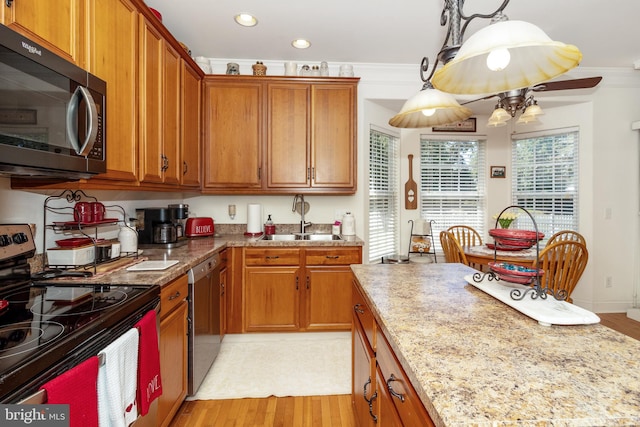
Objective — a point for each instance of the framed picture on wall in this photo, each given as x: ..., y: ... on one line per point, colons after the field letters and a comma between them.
x: 498, y: 171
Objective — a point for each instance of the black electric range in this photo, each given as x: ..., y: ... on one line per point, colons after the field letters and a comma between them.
x: 47, y: 327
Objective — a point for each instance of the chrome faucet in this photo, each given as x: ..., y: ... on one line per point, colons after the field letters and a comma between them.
x: 303, y: 224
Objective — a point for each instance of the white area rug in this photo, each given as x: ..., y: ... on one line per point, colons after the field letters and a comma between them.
x: 288, y: 364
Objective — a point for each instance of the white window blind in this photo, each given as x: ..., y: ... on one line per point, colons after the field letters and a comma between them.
x: 453, y: 183
x: 383, y: 195
x: 545, y: 180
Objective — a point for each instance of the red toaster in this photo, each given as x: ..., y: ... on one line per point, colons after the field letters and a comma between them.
x: 199, y: 226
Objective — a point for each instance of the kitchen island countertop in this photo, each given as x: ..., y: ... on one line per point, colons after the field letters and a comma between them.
x: 474, y: 361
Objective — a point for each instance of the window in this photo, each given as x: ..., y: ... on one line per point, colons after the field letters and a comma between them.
x: 545, y: 180
x: 453, y: 182
x: 383, y: 195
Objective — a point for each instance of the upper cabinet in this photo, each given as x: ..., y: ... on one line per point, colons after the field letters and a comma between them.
x: 294, y: 135
x: 153, y: 120
x: 233, y: 126
x: 113, y: 57
x: 190, y: 102
x: 55, y: 25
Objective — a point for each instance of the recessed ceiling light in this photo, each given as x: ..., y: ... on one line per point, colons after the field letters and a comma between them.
x: 246, y: 20
x: 300, y: 43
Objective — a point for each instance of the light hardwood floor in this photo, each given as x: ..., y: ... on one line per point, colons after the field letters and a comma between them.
x: 313, y: 411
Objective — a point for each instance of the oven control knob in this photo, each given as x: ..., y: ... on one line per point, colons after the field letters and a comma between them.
x: 19, y: 238
x: 5, y: 240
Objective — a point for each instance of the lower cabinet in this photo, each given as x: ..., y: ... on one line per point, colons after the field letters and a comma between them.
x: 173, y: 348
x: 381, y: 392
x: 298, y: 289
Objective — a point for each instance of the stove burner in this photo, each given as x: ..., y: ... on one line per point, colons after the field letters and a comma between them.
x: 25, y: 336
x: 55, y: 302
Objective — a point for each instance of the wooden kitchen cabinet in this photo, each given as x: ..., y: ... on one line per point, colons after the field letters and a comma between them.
x: 327, y: 293
x: 190, y: 103
x: 364, y: 386
x: 113, y: 56
x: 271, y: 289
x: 56, y: 25
x: 275, y: 135
x: 396, y: 402
x: 159, y: 108
x: 173, y: 348
x: 233, y: 128
x: 313, y: 126
x: 298, y: 289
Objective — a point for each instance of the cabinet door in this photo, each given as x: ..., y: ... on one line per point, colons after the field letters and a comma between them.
x: 56, y: 25
x: 233, y: 134
x: 363, y: 381
x: 172, y: 161
x: 113, y: 57
x: 288, y: 154
x: 223, y: 301
x: 328, y: 298
x: 173, y: 363
x: 333, y: 137
x: 271, y: 299
x: 387, y: 414
x: 150, y: 104
x: 191, y: 142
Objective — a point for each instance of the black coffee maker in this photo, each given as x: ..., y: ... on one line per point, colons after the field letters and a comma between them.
x: 157, y: 227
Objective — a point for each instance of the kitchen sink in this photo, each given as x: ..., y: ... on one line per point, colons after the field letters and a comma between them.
x: 300, y: 236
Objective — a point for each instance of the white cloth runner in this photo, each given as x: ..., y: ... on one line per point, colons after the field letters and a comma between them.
x: 484, y: 250
x: 117, y: 381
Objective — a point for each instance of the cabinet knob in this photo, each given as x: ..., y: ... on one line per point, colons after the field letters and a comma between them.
x: 8, y: 3
x: 358, y: 309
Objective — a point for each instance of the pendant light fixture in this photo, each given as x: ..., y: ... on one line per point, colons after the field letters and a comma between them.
x: 430, y: 107
x: 504, y: 56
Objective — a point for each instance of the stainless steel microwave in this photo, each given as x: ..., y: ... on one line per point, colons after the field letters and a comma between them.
x: 52, y: 113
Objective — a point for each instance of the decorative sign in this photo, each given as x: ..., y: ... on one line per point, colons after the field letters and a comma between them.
x: 468, y: 125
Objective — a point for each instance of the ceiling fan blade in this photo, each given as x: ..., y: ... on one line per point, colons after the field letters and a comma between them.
x: 585, y: 83
x: 479, y: 99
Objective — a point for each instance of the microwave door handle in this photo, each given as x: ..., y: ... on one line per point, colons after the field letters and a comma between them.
x: 72, y: 114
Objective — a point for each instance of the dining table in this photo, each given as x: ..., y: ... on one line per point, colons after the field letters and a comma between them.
x: 479, y: 256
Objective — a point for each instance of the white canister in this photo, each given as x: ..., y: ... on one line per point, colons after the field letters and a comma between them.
x: 290, y: 68
x: 128, y: 238
x: 348, y: 225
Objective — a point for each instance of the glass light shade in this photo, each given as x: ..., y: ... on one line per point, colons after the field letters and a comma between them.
x: 533, y: 110
x: 500, y: 115
x: 535, y: 58
x: 524, y: 119
x: 496, y: 123
x: 447, y: 110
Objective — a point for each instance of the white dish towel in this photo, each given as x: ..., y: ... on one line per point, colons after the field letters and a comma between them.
x: 117, y: 381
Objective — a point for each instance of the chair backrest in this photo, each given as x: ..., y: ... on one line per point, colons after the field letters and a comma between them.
x: 567, y: 235
x: 451, y: 248
x: 563, y: 263
x: 465, y: 235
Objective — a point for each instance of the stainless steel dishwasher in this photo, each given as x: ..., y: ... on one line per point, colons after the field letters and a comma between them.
x: 204, y: 319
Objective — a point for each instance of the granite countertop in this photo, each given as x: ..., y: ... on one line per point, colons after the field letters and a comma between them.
x: 474, y: 361
x: 195, y: 251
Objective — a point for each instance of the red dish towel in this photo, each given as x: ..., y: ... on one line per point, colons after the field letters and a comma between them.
x: 149, y: 383
x: 78, y: 388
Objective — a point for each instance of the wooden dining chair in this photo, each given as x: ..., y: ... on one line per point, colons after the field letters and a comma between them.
x: 465, y: 235
x: 451, y: 248
x: 563, y: 263
x: 567, y: 235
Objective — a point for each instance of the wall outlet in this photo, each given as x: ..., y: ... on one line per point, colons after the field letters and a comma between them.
x: 608, y: 282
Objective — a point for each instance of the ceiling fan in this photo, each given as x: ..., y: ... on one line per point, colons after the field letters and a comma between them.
x: 510, y: 102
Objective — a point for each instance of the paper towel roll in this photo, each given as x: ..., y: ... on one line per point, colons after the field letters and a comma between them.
x: 422, y: 227
x: 254, y: 218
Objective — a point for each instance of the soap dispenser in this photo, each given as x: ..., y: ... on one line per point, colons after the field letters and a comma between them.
x: 269, y: 226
